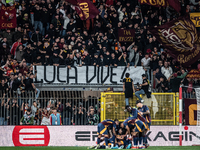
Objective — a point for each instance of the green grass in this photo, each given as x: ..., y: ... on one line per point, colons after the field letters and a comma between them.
x: 85, y: 148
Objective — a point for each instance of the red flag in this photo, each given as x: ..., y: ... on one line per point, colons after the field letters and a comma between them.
x: 175, y: 4
x: 180, y: 37
x: 85, y: 9
x: 8, y: 17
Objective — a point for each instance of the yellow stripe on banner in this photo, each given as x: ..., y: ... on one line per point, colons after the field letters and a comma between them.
x: 138, y: 127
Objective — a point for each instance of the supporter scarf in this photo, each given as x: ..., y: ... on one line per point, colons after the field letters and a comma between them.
x: 84, y: 8
x: 158, y: 3
x: 180, y: 37
x: 8, y: 17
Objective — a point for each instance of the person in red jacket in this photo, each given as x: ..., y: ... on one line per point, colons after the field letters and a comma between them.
x: 15, y: 45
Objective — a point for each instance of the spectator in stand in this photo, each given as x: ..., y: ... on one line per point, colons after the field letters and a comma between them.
x: 37, y: 17
x: 2, y: 112
x: 163, y: 85
x: 14, y: 46
x: 123, y: 60
x: 3, y: 86
x: 133, y: 54
x: 107, y: 59
x: 183, y: 74
x: 174, y: 82
x: 45, y: 117
x: 34, y: 108
x: 8, y: 35
x: 68, y: 114
x: 60, y: 107
x: 29, y: 85
x: 27, y: 119
x: 81, y: 115
x: 113, y: 61
x: 36, y: 37
x: 166, y: 70
x: 145, y: 62
x: 5, y: 51
x: 14, y: 113
x: 92, y: 118
x: 154, y: 63
x: 19, y: 53
x: 55, y: 117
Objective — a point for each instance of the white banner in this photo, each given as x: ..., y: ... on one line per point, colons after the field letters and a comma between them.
x: 87, y: 74
x: 86, y: 135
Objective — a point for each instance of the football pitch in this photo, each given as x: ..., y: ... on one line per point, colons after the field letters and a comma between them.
x: 85, y: 148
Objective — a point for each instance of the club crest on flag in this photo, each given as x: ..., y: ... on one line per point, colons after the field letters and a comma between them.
x: 182, y: 36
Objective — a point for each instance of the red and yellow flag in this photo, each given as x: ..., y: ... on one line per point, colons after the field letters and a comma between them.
x: 8, y: 17
x: 84, y: 8
x: 180, y: 38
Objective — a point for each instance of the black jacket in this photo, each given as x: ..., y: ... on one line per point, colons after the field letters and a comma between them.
x: 36, y: 37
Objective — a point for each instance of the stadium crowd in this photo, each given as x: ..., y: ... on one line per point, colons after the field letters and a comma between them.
x: 50, y: 32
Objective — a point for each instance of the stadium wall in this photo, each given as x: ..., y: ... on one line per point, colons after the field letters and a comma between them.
x: 85, y: 135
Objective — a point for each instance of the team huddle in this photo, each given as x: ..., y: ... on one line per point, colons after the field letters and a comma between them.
x: 128, y: 134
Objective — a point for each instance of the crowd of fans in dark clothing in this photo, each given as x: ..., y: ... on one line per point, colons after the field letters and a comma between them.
x: 50, y: 32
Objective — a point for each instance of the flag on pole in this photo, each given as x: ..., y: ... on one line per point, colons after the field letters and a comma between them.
x: 180, y: 38
x: 85, y: 8
x: 175, y: 4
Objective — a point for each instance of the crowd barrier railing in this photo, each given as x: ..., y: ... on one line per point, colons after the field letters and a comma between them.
x: 75, y: 107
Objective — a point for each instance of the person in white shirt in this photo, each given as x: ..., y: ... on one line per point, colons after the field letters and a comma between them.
x: 145, y: 64
x: 66, y: 20
x: 166, y: 70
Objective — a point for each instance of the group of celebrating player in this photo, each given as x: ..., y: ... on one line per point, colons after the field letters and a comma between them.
x: 128, y: 134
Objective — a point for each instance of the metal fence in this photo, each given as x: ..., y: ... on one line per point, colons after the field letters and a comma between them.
x: 162, y: 107
x: 75, y: 107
